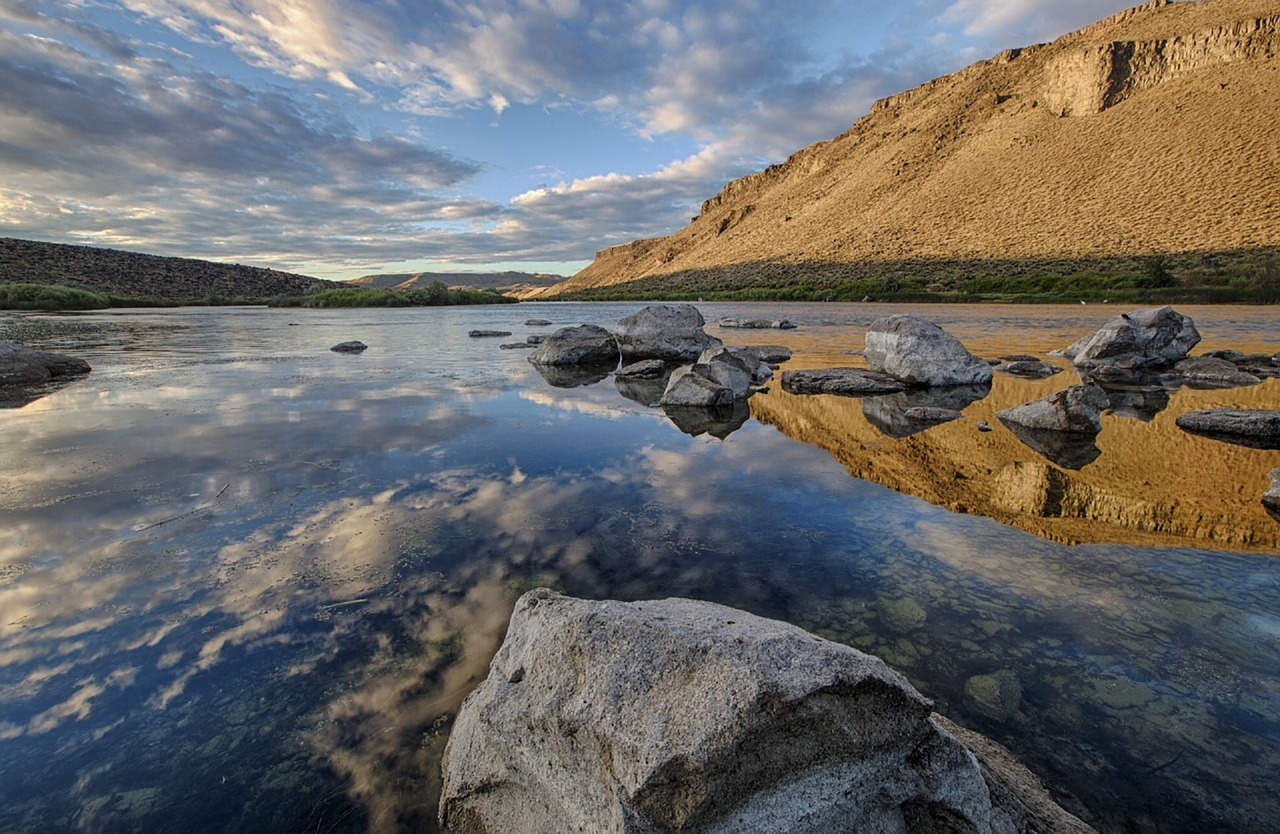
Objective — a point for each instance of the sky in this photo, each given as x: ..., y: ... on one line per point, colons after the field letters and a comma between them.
x: 339, y: 138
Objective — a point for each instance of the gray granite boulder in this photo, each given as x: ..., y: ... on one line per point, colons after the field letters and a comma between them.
x: 586, y: 344
x: 1211, y: 372
x: 844, y: 382
x: 689, y: 389
x: 918, y: 352
x: 678, y: 715
x: 1143, y: 340
x: 21, y: 365
x: 644, y: 369
x: 1255, y: 428
x: 672, y: 333
x: 1076, y: 410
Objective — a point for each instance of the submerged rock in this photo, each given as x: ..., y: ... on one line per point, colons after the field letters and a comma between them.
x: 586, y: 344
x: 537, y: 323
x: 677, y: 715
x: 1151, y: 339
x: 349, y: 347
x: 996, y: 696
x: 919, y: 353
x: 670, y: 333
x: 488, y: 334
x: 1255, y: 428
x: 845, y: 382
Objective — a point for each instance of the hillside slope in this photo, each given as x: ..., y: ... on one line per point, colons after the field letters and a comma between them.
x: 508, y: 282
x: 1156, y: 131
x: 138, y: 276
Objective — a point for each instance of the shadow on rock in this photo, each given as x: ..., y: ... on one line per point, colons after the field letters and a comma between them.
x: 909, y: 412
x: 1070, y: 450
x: 574, y: 376
x: 717, y: 421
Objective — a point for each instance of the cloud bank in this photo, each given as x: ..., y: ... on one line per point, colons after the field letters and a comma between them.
x: 306, y: 134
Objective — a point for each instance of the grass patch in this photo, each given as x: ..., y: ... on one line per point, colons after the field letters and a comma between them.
x: 435, y: 295
x: 50, y: 297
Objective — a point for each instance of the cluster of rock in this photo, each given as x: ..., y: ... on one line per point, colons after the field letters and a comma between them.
x: 666, y: 359
x: 677, y: 715
x: 731, y: 323
x: 25, y: 371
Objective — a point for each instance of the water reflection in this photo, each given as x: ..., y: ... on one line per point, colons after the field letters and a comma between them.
x: 246, y: 588
x: 913, y: 411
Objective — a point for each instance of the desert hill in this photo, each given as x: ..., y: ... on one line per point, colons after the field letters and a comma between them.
x: 1151, y: 134
x: 508, y: 282
x: 152, y: 277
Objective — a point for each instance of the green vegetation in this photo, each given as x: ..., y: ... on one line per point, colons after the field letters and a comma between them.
x: 51, y: 297
x: 435, y: 295
x: 1251, y: 277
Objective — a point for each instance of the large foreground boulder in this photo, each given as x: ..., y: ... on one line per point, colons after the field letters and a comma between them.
x: 678, y: 715
x: 918, y: 352
x: 586, y: 344
x: 21, y: 365
x: 672, y: 333
x: 1141, y: 341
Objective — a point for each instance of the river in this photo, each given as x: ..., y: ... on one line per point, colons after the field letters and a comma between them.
x: 246, y: 581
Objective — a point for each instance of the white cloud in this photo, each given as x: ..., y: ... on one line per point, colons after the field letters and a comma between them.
x: 1027, y: 20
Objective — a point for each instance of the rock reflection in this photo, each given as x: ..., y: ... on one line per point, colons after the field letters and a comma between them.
x: 913, y: 411
x: 573, y: 376
x: 1070, y: 450
x: 718, y: 422
x: 647, y: 392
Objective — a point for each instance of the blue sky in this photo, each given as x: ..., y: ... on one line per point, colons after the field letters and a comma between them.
x: 339, y: 138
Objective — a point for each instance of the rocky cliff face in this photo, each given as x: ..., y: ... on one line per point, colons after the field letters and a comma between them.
x: 1173, y: 147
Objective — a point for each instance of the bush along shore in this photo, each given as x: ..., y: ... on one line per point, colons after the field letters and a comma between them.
x: 1251, y: 277
x: 56, y: 297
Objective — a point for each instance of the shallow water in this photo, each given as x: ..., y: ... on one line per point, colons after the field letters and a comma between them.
x: 244, y: 581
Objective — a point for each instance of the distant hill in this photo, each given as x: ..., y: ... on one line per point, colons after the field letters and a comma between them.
x: 1146, y: 145
x: 151, y: 277
x: 507, y: 283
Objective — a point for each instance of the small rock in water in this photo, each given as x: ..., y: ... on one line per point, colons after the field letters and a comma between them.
x: 488, y: 334
x: 349, y: 347
x: 537, y: 323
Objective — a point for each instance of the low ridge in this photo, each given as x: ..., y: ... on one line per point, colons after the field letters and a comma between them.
x: 151, y: 277
x: 1153, y: 133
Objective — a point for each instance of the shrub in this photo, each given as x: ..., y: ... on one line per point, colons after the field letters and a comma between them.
x: 50, y: 297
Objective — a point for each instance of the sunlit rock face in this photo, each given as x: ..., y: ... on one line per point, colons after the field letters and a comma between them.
x: 679, y: 715
x: 1144, y: 340
x: 672, y: 333
x: 917, y: 352
x: 587, y: 344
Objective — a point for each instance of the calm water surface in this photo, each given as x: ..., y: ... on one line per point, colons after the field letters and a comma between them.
x: 245, y: 581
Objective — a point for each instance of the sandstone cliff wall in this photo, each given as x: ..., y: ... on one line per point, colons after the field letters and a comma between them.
x: 980, y: 165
